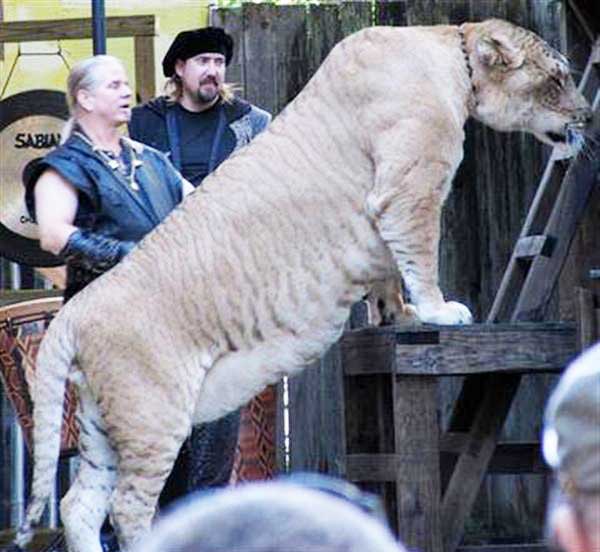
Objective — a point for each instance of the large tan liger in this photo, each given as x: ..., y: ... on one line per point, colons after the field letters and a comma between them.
x: 254, y: 274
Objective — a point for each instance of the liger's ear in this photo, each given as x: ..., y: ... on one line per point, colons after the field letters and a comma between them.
x: 498, y: 51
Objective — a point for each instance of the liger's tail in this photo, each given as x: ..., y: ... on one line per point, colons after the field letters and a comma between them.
x: 54, y: 360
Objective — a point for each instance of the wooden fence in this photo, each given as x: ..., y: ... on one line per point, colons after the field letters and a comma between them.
x: 278, y: 49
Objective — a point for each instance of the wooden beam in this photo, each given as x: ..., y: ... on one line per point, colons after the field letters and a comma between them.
x: 529, y: 247
x: 460, y: 350
x: 368, y: 351
x: 508, y: 458
x: 372, y: 467
x: 72, y: 29
x: 587, y: 333
x: 144, y: 67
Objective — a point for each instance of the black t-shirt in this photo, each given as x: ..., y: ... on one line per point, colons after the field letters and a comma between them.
x: 197, y: 132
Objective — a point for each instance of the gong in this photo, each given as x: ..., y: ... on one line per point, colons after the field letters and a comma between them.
x: 30, y: 127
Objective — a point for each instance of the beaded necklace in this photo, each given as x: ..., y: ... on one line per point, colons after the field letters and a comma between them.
x: 115, y: 163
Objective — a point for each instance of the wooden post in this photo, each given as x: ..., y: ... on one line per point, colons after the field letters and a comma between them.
x: 317, y: 417
x: 416, y: 436
x: 587, y: 330
x: 145, y: 77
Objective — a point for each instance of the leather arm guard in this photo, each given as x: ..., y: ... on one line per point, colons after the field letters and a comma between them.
x: 94, y: 252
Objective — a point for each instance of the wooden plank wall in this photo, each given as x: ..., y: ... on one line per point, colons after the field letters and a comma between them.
x: 278, y: 49
x: 585, y: 252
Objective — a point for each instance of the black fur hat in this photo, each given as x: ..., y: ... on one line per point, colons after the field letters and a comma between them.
x: 191, y: 43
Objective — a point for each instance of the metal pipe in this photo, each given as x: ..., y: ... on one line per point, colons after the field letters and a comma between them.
x: 15, y: 276
x: 17, y: 442
x: 98, y: 27
x: 53, y: 506
x: 18, y: 475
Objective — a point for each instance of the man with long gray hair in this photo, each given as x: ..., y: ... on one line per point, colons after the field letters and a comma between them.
x: 94, y: 198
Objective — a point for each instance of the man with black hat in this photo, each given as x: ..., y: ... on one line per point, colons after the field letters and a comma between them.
x: 572, y: 449
x: 199, y: 123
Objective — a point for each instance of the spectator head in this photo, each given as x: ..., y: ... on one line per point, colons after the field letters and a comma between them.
x: 282, y: 516
x: 572, y: 448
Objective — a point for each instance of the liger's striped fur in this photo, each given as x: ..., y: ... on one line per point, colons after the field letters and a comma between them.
x: 254, y: 274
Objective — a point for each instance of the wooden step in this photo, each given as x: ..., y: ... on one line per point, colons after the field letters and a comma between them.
x: 529, y: 247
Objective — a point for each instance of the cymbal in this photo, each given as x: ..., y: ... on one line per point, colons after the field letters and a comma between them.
x: 30, y: 127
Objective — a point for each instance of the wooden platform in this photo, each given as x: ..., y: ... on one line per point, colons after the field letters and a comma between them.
x: 374, y: 414
x: 458, y: 350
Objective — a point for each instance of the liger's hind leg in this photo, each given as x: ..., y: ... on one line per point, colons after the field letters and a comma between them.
x: 85, y: 506
x: 147, y: 426
x: 142, y: 476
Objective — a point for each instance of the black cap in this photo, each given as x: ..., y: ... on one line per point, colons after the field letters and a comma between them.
x: 191, y: 43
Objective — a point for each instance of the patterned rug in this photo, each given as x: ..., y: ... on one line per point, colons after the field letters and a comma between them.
x: 255, y: 457
x: 19, y: 343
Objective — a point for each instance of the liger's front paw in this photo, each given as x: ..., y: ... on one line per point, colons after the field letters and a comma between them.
x: 447, y: 314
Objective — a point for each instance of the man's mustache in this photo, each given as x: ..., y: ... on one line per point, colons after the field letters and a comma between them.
x: 209, y: 80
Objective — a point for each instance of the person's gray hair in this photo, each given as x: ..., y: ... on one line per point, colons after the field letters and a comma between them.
x: 84, y: 75
x: 269, y: 517
x: 571, y: 445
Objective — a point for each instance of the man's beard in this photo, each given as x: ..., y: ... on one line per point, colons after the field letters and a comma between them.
x: 207, y: 95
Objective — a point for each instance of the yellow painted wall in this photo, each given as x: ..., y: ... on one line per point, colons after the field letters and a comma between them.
x: 33, y: 70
